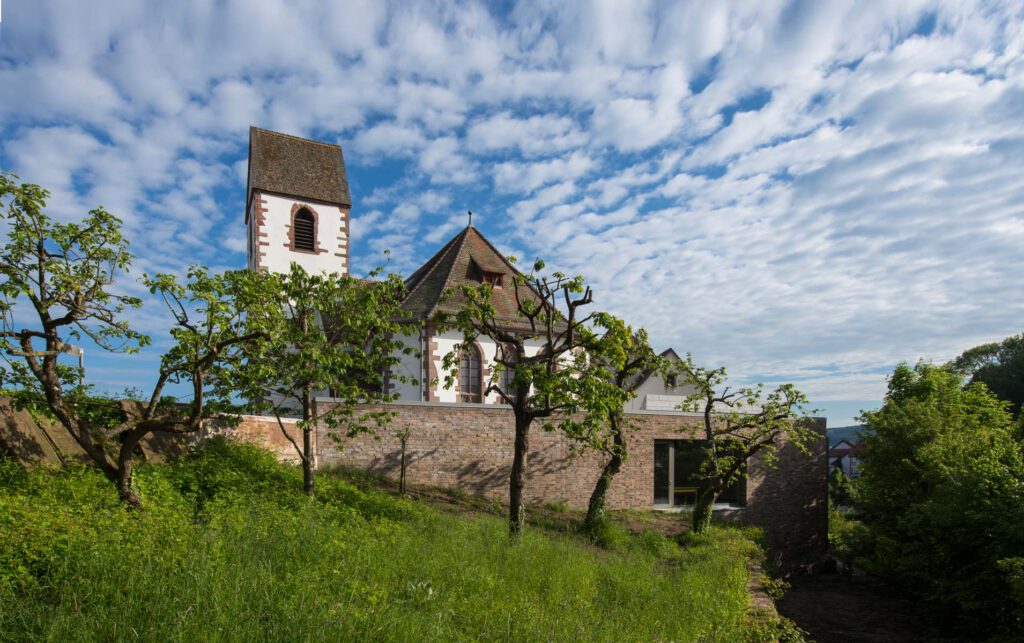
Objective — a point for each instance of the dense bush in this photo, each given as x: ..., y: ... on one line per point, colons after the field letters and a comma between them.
x: 942, y: 495
x: 228, y: 548
x: 840, y: 488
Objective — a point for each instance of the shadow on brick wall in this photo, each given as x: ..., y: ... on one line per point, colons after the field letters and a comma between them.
x: 37, y: 440
x: 793, y: 508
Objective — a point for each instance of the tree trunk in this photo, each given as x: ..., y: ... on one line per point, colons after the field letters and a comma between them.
x: 124, y: 486
x: 307, y: 441
x: 707, y: 492
x: 401, y: 475
x: 517, y: 480
x: 307, y: 460
x: 596, y: 506
x: 125, y: 469
x: 701, y: 522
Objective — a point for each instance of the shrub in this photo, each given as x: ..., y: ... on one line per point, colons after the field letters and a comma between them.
x: 840, y: 488
x: 942, y: 494
x: 850, y: 539
x: 608, y: 534
x: 658, y: 544
x: 218, y: 466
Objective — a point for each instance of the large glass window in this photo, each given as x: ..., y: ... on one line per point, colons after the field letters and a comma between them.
x: 662, y: 472
x: 677, y: 475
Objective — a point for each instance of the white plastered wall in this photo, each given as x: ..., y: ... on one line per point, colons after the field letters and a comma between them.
x: 410, y: 367
x: 271, y: 248
x: 446, y: 343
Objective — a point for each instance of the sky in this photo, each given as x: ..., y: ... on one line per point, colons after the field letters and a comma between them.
x: 806, y: 192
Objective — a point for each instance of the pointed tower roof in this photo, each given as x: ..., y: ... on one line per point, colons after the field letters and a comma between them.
x: 297, y: 167
x: 467, y: 259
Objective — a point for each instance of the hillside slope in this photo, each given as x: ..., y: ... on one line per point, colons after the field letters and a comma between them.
x: 229, y: 549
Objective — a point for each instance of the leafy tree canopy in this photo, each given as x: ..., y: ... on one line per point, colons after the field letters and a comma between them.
x: 942, y: 492
x: 999, y: 366
x: 330, y: 334
x: 737, y: 424
x: 58, y: 287
x: 544, y: 369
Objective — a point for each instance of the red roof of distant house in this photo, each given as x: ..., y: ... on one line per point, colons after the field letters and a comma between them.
x: 846, y: 447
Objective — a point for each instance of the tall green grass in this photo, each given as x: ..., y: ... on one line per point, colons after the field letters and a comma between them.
x: 229, y: 549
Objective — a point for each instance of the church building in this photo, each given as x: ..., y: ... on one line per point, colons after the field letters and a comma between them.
x: 297, y: 210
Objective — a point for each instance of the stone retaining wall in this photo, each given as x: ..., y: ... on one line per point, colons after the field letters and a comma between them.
x: 470, y: 447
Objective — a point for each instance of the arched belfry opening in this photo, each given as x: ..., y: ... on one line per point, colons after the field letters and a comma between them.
x: 304, y: 230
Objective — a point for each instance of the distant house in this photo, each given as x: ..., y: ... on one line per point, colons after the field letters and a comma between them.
x: 657, y: 393
x: 845, y: 455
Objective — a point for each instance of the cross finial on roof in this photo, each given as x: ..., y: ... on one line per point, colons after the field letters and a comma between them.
x: 470, y: 212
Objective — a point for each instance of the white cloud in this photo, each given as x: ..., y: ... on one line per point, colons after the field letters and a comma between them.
x: 536, y: 135
x: 443, y: 161
x: 527, y: 177
x: 806, y: 190
x: 391, y: 139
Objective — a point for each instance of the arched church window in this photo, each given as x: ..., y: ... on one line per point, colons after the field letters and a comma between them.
x: 508, y: 375
x: 470, y: 376
x: 304, y: 230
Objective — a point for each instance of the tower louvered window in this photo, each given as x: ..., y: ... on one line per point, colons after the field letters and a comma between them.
x: 304, y: 230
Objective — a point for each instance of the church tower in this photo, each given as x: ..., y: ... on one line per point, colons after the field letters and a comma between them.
x: 297, y: 204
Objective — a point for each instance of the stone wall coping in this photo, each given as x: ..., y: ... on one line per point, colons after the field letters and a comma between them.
x: 500, y: 407
x: 456, y: 405
x: 264, y: 418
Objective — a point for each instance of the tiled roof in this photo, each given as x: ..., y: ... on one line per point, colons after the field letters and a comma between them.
x: 846, y: 447
x: 458, y: 263
x: 297, y: 167
x: 669, y: 354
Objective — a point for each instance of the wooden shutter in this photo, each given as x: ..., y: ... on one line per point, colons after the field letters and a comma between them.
x: 304, y: 230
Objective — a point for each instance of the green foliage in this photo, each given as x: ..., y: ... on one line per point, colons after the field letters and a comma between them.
x: 57, y: 287
x: 658, y: 544
x: 609, y: 534
x: 737, y: 424
x: 849, y: 538
x: 330, y: 333
x: 627, y: 359
x: 772, y: 628
x: 840, y: 488
x: 999, y: 366
x: 553, y: 350
x: 65, y: 269
x: 218, y: 467
x: 942, y: 492
x: 230, y: 549
x: 557, y: 506
x: 775, y: 588
x: 567, y: 381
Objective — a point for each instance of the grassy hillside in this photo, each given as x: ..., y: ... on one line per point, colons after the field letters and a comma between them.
x: 229, y: 549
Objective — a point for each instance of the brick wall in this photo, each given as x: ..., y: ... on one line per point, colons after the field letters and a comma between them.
x: 470, y: 447
x: 266, y: 432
